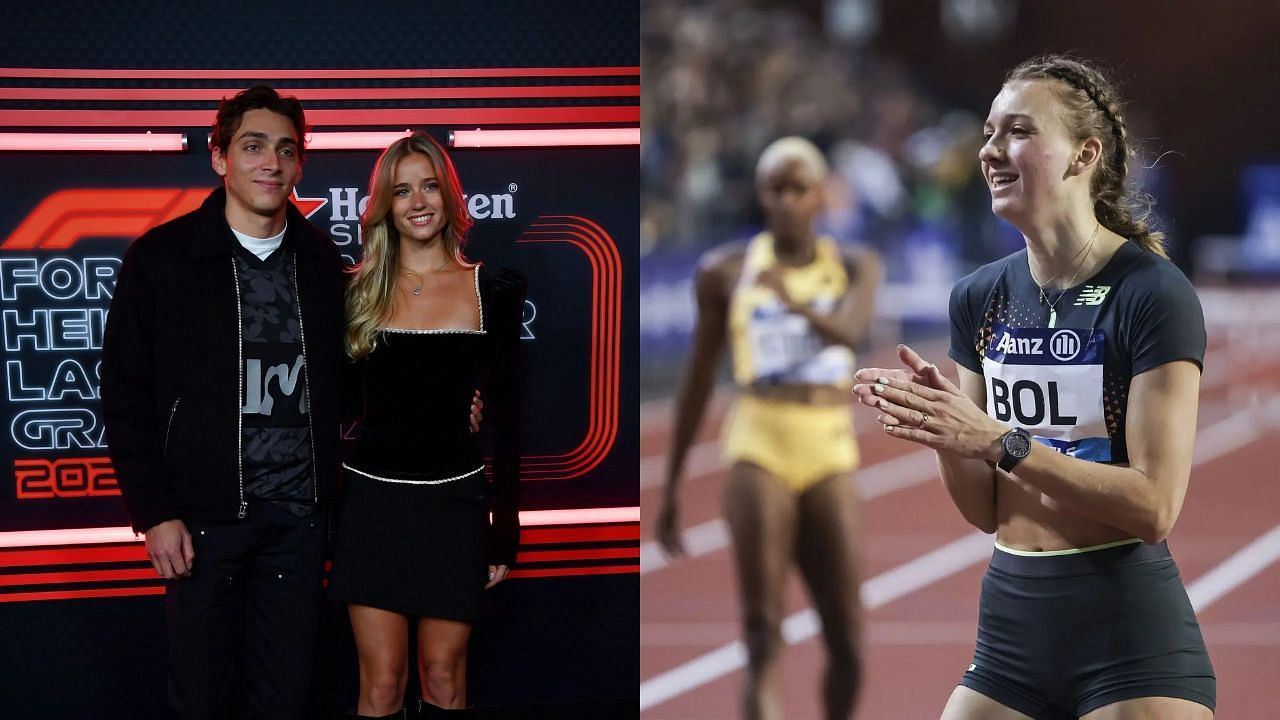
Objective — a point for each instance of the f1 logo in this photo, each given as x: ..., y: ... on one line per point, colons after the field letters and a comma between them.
x: 67, y: 216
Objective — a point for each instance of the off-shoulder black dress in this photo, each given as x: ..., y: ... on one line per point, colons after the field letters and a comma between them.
x: 413, y: 528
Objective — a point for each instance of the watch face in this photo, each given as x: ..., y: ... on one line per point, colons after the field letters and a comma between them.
x: 1017, y: 444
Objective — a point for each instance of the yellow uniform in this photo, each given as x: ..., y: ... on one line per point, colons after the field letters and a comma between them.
x: 800, y: 443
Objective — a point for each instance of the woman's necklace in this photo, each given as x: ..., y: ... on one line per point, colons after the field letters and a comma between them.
x: 1077, y: 262
x: 422, y: 277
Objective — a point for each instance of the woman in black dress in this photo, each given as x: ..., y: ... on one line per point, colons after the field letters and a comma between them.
x: 425, y: 327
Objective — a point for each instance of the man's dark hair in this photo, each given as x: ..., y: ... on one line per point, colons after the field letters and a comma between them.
x: 259, y: 97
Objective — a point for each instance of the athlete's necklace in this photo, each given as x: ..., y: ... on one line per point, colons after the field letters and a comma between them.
x: 1078, y: 263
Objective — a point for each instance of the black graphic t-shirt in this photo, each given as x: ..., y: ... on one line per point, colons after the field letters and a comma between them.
x: 1064, y: 375
x: 277, y: 437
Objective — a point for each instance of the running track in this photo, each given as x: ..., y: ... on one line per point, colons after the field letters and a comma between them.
x: 922, y: 564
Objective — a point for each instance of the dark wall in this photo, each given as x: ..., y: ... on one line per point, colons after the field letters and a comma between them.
x: 561, y: 632
x: 1197, y: 77
x: 321, y: 34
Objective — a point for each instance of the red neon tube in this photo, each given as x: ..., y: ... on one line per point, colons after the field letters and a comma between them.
x: 94, y: 142
x: 106, y: 535
x: 353, y: 140
x: 544, y: 138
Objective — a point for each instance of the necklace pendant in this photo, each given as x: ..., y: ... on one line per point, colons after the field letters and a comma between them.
x: 1053, y: 317
x: 418, y: 291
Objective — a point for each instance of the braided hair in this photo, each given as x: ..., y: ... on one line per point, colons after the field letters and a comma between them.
x: 1092, y: 108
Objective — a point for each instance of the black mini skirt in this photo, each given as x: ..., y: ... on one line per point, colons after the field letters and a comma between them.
x: 413, y: 548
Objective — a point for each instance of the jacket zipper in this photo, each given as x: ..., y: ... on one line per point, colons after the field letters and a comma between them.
x: 306, y: 385
x: 173, y: 411
x: 235, y: 275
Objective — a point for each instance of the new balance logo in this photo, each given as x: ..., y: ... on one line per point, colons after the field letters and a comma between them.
x: 1093, y: 295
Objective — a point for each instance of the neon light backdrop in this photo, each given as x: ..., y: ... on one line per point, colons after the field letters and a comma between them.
x: 129, y: 153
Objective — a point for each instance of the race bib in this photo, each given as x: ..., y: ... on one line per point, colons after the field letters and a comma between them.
x: 784, y: 348
x: 1049, y: 381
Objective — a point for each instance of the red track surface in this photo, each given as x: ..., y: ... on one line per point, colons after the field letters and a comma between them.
x: 918, y: 645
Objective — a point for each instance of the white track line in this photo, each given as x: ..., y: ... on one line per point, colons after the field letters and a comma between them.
x: 655, y: 414
x: 1235, y: 570
x: 1220, y: 438
x: 705, y: 457
x: 1212, y: 441
x: 870, y: 482
x: 1218, y: 634
x: 702, y: 459
x: 1229, y: 434
x: 801, y: 626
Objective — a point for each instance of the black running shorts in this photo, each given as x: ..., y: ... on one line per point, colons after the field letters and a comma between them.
x: 1062, y: 635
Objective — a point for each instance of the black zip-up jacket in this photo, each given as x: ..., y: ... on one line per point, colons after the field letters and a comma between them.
x: 172, y: 371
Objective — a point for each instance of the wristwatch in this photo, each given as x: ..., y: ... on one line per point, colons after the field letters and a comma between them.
x: 1017, y: 445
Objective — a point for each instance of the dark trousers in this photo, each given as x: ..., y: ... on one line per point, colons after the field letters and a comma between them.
x: 242, y: 628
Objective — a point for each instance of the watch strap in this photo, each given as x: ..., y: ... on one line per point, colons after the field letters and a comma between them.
x: 1008, y: 461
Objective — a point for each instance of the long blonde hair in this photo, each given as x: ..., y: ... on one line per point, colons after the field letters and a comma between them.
x: 372, y: 290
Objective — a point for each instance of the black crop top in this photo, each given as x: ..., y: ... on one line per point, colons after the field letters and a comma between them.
x: 417, y: 399
x: 1069, y: 384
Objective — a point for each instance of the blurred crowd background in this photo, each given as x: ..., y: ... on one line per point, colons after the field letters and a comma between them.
x: 895, y: 93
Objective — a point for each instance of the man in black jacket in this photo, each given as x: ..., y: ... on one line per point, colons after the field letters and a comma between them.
x: 220, y: 390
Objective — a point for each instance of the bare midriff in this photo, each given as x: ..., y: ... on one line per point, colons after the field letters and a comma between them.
x: 1031, y: 521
